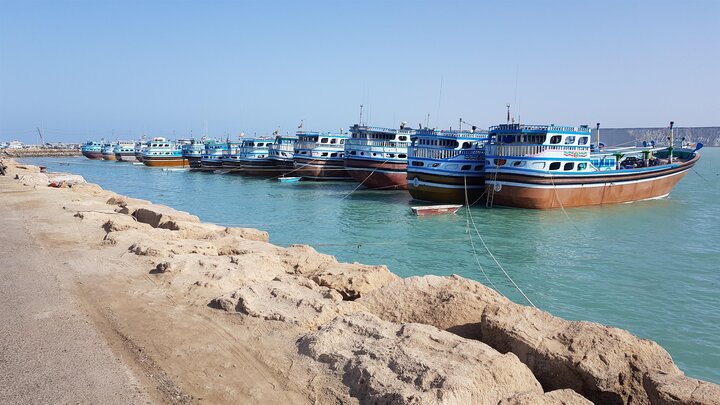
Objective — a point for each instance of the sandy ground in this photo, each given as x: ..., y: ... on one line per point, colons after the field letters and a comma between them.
x: 51, y: 353
x: 84, y: 322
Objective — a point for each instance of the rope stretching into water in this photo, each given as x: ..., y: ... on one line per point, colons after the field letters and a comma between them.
x: 517, y: 287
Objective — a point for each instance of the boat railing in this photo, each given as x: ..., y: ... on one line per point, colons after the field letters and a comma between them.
x: 529, y: 150
x: 442, y: 154
x: 543, y: 128
x: 479, y: 134
x: 314, y: 145
x: 359, y: 142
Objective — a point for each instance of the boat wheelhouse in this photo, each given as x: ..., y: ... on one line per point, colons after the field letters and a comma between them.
x: 255, y: 157
x: 549, y: 166
x: 164, y: 153
x: 108, y: 151
x: 320, y: 156
x: 281, y: 153
x: 92, y: 150
x: 212, y: 155
x: 125, y: 151
x: 377, y: 157
x: 231, y: 157
x: 447, y: 166
x: 193, y: 151
x: 140, y: 147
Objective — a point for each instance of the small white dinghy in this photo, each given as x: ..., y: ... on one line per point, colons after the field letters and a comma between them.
x: 288, y: 179
x: 435, y: 209
x: 172, y: 169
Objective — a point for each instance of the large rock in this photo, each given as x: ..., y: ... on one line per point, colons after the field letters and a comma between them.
x: 606, y: 365
x: 33, y: 179
x: 159, y: 216
x: 387, y: 363
x: 557, y: 397
x: 673, y: 389
x: 352, y: 280
x: 452, y: 303
x: 292, y: 299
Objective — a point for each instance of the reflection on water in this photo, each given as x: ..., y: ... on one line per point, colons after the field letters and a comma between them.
x: 650, y: 267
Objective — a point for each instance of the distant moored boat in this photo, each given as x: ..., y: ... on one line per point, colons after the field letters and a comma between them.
x: 320, y: 156
x: 162, y: 152
x: 377, y: 157
x: 92, y: 150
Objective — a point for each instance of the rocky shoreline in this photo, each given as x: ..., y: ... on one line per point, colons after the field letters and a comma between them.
x: 38, y: 152
x: 306, y: 328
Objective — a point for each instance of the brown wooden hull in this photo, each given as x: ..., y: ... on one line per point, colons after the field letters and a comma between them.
x: 540, y: 192
x: 93, y: 155
x: 446, y: 189
x: 106, y: 156
x: 316, y: 169
x: 378, y: 175
x: 165, y: 162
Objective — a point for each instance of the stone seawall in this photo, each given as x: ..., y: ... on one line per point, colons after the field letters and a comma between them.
x: 366, y: 335
x: 39, y: 152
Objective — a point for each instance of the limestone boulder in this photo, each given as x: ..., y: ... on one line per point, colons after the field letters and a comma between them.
x: 159, y: 216
x: 451, y: 303
x: 304, y: 259
x: 606, y: 365
x: 69, y: 179
x: 674, y: 389
x: 292, y: 299
x: 33, y: 179
x: 388, y: 363
x: 352, y: 280
x: 557, y: 397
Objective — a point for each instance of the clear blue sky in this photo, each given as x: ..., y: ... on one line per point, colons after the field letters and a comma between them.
x: 82, y: 69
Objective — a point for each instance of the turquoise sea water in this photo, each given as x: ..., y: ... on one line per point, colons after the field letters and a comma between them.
x: 651, y: 267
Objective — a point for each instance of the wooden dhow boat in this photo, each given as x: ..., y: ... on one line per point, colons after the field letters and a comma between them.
x: 549, y: 166
x: 320, y: 156
x: 164, y: 153
x: 447, y: 166
x: 108, y: 151
x: 92, y: 150
x: 377, y: 157
x: 125, y: 151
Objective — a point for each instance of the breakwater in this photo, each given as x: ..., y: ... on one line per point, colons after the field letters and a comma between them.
x: 370, y: 335
x: 39, y: 152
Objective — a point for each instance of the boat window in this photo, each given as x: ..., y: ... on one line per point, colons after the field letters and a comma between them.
x: 555, y: 166
x: 333, y: 140
x: 569, y: 140
x: 392, y: 155
x: 435, y: 164
x: 466, y: 145
x: 333, y: 154
x: 583, y: 140
x: 568, y: 166
x: 582, y: 166
x: 465, y: 167
x: 519, y: 163
x: 402, y: 156
x: 500, y: 162
x: 402, y: 138
x: 555, y: 139
x: 416, y: 163
x: 324, y: 154
x: 353, y: 152
x: 342, y: 141
x: 478, y: 168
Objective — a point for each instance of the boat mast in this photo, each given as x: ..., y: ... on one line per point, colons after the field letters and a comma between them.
x: 670, y: 149
x: 597, y: 128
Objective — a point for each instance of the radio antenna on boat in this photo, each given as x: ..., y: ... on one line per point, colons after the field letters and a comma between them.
x: 597, y: 128
x: 437, y: 119
x: 361, y: 113
x: 508, y: 113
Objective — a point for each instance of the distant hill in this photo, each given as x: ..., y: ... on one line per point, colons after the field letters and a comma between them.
x: 708, y: 136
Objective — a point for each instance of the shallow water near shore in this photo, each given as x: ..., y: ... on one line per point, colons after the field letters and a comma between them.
x: 651, y: 267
